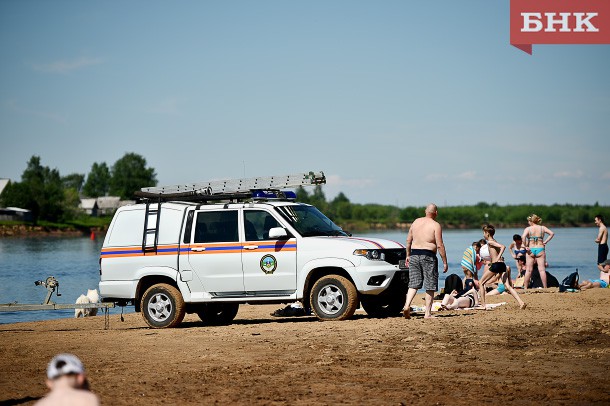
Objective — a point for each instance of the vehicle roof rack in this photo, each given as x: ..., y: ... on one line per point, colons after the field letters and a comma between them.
x: 231, y: 189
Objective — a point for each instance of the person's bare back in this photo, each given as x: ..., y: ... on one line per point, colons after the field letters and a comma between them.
x: 424, y: 231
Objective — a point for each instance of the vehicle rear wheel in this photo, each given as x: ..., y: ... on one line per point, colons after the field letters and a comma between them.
x: 216, y: 314
x: 388, y: 303
x: 334, y: 297
x: 162, y: 306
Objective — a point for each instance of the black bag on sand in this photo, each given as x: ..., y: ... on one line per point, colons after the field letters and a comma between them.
x: 570, y: 282
x: 536, y: 282
x: 452, y: 282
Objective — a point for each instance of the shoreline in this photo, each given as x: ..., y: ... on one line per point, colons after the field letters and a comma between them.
x: 28, y: 230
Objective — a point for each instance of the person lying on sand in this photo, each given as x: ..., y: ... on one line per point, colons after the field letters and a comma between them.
x: 460, y: 300
x: 602, y: 282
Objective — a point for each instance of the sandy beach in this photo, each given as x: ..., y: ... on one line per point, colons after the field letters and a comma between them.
x: 554, y: 352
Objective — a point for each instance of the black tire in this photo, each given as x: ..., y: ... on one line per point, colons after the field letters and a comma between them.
x: 162, y: 306
x: 217, y: 314
x: 333, y: 297
x: 388, y: 303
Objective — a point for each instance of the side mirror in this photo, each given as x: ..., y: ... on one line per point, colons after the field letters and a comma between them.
x: 277, y: 233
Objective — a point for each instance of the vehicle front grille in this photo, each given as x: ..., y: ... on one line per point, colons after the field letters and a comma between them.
x: 394, y: 255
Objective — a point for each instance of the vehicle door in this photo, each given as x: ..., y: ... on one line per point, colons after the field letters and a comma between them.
x: 215, y: 253
x: 269, y: 265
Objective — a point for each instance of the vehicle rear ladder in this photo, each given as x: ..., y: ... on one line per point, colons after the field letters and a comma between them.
x: 153, y: 232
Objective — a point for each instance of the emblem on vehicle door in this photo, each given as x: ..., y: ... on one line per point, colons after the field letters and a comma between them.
x: 268, y: 264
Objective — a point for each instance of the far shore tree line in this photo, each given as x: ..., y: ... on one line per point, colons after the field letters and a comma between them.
x: 55, y: 198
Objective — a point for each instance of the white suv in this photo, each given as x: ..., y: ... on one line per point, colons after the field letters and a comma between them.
x: 173, y: 258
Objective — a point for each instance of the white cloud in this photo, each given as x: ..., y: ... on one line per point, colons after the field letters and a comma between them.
x: 11, y: 105
x: 568, y: 174
x: 469, y: 175
x: 166, y: 107
x: 66, y: 66
x: 337, y: 181
x: 436, y: 177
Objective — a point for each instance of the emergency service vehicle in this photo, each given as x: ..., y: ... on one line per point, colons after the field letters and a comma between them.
x: 208, y: 247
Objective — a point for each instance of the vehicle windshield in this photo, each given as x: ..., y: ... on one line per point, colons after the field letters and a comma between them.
x: 309, y: 221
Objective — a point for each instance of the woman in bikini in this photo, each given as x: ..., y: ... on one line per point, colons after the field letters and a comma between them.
x: 535, y: 242
x: 496, y: 268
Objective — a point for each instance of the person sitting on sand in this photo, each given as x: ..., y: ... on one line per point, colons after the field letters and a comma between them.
x: 496, y: 267
x: 500, y: 289
x: 518, y: 251
x: 68, y: 383
x: 604, y: 278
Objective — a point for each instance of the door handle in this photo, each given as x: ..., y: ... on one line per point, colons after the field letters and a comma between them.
x: 200, y: 249
x: 250, y: 247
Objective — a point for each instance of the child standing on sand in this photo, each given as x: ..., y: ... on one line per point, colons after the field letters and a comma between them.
x: 496, y: 267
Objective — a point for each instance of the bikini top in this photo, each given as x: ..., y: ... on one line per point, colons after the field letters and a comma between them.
x: 536, y: 238
x: 522, y: 251
x: 484, y: 253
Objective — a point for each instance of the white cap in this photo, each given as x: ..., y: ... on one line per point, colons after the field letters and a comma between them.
x: 64, y: 364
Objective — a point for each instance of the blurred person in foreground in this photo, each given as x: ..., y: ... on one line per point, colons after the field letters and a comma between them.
x: 425, y: 238
x: 68, y: 383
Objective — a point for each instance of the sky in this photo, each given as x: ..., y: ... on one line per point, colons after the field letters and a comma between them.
x: 397, y: 102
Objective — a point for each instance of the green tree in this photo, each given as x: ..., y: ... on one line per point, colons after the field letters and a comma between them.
x: 318, y: 199
x: 130, y: 174
x: 340, y: 207
x: 98, y: 181
x: 73, y: 181
x: 40, y: 191
x: 302, y: 195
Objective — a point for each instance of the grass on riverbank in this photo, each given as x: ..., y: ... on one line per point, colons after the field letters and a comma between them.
x: 82, y: 224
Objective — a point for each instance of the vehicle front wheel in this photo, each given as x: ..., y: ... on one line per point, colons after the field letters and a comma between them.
x: 162, y: 306
x: 216, y: 314
x: 334, y: 297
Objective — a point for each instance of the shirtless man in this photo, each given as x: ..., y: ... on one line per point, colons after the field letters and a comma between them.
x: 602, y: 240
x: 425, y: 238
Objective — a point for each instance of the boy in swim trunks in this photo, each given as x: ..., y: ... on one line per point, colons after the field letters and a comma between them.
x: 496, y: 267
x: 604, y: 278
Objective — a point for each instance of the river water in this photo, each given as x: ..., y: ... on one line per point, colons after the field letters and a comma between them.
x: 73, y: 261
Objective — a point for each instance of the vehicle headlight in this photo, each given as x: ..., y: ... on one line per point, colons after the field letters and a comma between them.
x: 369, y: 254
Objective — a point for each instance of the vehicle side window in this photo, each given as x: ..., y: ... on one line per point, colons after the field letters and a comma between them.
x: 216, y: 226
x: 188, y: 228
x: 257, y: 224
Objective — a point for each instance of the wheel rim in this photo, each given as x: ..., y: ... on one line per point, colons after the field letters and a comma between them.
x: 330, y: 299
x: 159, y: 307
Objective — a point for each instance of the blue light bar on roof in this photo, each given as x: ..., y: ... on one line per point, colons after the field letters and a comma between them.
x: 262, y: 194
